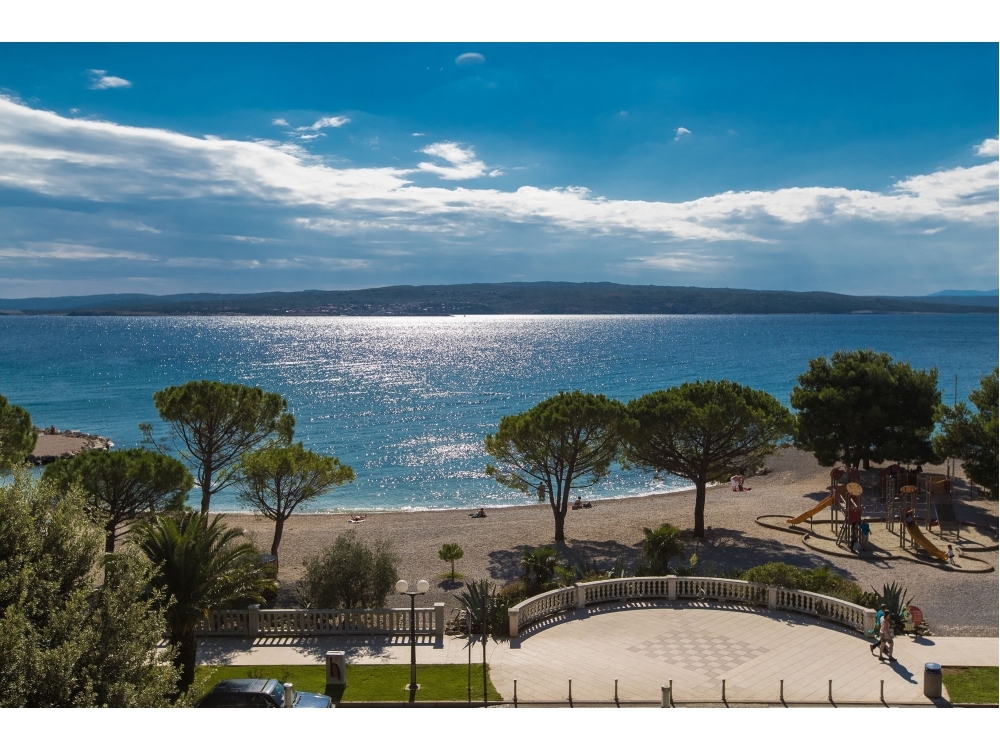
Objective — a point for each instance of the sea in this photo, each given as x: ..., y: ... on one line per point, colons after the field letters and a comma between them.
x: 407, y: 402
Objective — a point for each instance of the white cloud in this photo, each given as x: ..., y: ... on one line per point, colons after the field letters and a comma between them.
x: 326, y: 122
x: 989, y: 147
x: 133, y: 226
x: 99, y: 79
x: 418, y: 135
x: 497, y: 173
x: 48, y: 154
x: 680, y: 133
x: 470, y: 58
x: 280, y: 122
x: 463, y: 161
x: 47, y: 251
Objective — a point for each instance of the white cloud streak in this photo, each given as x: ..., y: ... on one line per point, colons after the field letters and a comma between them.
x: 326, y: 122
x: 99, y: 79
x: 470, y: 58
x: 48, y: 154
x: 463, y: 162
x: 989, y: 147
x: 680, y: 133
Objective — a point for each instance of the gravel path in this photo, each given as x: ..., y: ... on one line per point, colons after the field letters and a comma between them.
x: 953, y: 603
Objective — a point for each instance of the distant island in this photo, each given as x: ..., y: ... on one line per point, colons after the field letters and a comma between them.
x: 512, y: 298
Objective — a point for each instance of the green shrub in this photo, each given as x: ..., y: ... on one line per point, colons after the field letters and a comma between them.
x: 660, y: 547
x: 350, y: 574
x: 821, y: 580
x: 779, y: 574
x: 515, y: 592
x: 539, y: 567
x: 482, y: 595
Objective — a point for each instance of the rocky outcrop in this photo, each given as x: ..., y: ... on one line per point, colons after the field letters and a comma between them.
x: 53, y: 444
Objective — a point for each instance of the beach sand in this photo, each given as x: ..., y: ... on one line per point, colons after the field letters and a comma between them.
x: 953, y: 603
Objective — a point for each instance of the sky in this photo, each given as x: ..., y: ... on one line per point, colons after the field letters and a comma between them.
x: 170, y: 168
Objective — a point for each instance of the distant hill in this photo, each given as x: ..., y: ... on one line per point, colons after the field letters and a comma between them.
x: 544, y: 298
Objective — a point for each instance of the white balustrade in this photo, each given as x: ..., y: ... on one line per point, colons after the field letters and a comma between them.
x: 306, y: 622
x: 688, y: 587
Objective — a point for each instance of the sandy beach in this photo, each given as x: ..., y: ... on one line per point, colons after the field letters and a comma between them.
x: 954, y: 603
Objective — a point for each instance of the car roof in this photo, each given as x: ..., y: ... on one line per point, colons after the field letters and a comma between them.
x: 245, y: 686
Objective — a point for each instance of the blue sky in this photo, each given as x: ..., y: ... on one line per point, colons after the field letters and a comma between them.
x: 229, y: 167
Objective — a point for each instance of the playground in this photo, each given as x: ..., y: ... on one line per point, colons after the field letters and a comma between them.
x: 896, y: 514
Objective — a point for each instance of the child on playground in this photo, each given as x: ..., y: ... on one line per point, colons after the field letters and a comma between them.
x: 951, y: 555
x: 865, y: 530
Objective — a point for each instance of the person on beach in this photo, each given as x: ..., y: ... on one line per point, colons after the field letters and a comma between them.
x: 480, y: 514
x: 736, y: 482
x: 541, y: 492
x: 578, y: 505
x: 865, y: 531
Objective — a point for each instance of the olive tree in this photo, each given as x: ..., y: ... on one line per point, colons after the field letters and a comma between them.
x: 703, y: 431
x: 77, y: 627
x: 971, y: 436
x: 123, y: 486
x: 17, y: 435
x: 350, y: 574
x: 278, y: 479
x: 213, y: 424
x: 861, y: 406
x: 565, y: 443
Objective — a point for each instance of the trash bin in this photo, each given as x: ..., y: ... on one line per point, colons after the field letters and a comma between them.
x: 932, y: 680
x: 336, y: 668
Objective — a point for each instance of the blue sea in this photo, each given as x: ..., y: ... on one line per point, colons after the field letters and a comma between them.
x: 408, y: 401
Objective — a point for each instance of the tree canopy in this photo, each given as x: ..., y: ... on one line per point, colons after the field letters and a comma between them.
x: 278, y: 479
x: 703, y: 431
x: 350, y: 574
x: 861, y: 406
x: 971, y: 436
x: 76, y: 629
x: 17, y: 435
x: 200, y: 565
x: 213, y: 424
x: 565, y: 443
x: 124, y: 485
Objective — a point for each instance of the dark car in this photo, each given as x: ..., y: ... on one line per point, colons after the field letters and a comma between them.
x: 251, y: 693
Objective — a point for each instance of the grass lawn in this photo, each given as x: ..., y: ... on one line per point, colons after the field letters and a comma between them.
x: 972, y: 684
x: 368, y: 682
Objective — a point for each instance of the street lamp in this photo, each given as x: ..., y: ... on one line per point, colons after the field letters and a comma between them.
x: 403, y: 588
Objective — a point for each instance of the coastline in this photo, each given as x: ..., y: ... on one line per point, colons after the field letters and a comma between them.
x: 954, y: 603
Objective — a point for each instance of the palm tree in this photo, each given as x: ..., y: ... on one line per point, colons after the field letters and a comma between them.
x: 661, y: 546
x: 201, y: 565
x: 450, y: 553
x: 539, y: 567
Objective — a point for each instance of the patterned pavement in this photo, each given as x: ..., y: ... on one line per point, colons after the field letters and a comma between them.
x: 644, y: 646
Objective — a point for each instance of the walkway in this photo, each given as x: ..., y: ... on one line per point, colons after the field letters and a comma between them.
x: 646, y: 645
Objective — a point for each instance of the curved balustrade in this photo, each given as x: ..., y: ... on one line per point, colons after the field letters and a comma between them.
x: 673, y: 588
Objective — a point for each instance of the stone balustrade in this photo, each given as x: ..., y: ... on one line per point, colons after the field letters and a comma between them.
x: 673, y: 588
x: 254, y: 622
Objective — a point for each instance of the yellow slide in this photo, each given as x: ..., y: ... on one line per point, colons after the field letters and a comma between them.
x: 919, y: 538
x: 810, y: 513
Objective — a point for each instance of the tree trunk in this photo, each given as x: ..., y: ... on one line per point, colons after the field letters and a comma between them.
x: 109, y: 537
x: 187, y: 652
x: 699, y: 507
x: 453, y: 570
x: 206, y: 488
x: 279, y: 526
x: 560, y: 516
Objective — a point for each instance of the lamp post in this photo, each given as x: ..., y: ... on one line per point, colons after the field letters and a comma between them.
x: 403, y: 588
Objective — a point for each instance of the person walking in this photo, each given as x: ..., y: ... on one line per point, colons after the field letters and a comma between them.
x: 951, y: 555
x: 885, y: 638
x: 877, y: 631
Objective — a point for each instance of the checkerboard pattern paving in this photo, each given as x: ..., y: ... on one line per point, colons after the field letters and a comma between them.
x: 708, y: 655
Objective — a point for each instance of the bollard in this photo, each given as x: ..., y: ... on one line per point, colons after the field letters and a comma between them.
x: 664, y: 696
x: 571, y: 693
x: 881, y: 690
x: 829, y: 690
x: 670, y: 685
x: 723, y: 691
x: 288, y: 694
x: 781, y: 691
x: 515, y: 693
x: 616, y: 695
x: 932, y: 680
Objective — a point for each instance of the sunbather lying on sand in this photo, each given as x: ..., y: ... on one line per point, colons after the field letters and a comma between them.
x: 358, y: 519
x: 480, y: 514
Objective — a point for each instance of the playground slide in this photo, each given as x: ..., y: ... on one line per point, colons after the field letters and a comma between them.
x: 919, y: 538
x: 810, y: 513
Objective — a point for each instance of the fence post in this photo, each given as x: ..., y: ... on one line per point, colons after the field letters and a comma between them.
x: 253, y: 621
x: 829, y: 690
x: 512, y: 616
x: 869, y: 621
x: 672, y: 588
x: 664, y: 696
x: 581, y: 596
x: 772, y: 597
x: 781, y: 691
x: 439, y: 619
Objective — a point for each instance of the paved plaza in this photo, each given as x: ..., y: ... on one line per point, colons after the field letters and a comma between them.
x: 644, y: 646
